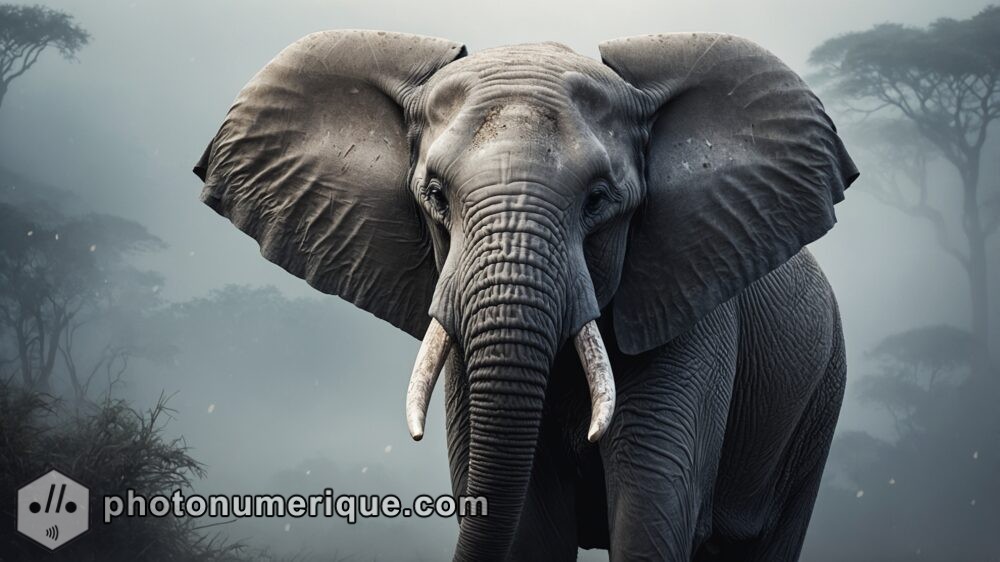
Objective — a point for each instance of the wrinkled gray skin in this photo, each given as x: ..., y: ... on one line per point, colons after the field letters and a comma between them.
x: 516, y: 194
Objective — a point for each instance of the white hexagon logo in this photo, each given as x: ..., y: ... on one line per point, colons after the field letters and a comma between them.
x: 53, y: 510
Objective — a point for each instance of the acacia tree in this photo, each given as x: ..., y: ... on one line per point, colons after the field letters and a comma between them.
x: 917, y: 369
x: 942, y: 83
x: 64, y: 282
x: 27, y: 31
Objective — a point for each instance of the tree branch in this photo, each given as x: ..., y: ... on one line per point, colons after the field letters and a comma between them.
x: 893, y: 197
x: 29, y: 60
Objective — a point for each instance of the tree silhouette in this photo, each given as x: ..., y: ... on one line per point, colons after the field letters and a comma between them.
x: 27, y: 31
x: 941, y: 86
x: 60, y: 283
x: 915, y: 369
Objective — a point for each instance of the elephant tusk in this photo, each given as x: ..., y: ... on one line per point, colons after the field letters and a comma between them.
x: 594, y: 358
x: 431, y: 357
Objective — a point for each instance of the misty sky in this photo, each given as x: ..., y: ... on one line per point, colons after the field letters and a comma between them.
x: 122, y: 127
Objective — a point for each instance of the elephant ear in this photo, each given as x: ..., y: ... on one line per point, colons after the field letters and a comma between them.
x: 743, y: 168
x: 313, y: 159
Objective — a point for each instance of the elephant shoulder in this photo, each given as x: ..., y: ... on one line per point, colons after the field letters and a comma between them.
x: 792, y: 286
x: 790, y: 314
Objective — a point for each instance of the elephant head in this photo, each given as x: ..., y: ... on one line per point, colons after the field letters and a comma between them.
x: 496, y: 204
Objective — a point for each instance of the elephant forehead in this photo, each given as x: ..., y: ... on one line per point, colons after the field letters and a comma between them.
x: 516, y: 139
x: 528, y: 108
x: 534, y: 89
x: 520, y: 123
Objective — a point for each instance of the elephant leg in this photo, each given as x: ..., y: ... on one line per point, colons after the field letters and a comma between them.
x: 662, y: 450
x: 803, y: 470
x: 783, y: 521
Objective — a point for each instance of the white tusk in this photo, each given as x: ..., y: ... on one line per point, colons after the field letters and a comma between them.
x: 431, y: 357
x: 600, y: 379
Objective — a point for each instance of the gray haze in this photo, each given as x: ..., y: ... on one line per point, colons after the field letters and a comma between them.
x: 122, y: 127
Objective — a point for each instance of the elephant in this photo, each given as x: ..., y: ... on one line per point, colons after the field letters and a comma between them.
x: 606, y: 258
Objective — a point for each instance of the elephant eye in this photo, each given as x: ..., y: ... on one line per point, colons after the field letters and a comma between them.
x: 434, y: 194
x: 596, y: 199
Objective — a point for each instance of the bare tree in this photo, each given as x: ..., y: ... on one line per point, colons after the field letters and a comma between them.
x: 943, y: 83
x: 27, y: 31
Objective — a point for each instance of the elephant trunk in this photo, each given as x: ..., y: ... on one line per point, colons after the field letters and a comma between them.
x: 507, y: 380
x: 513, y: 305
x: 505, y: 416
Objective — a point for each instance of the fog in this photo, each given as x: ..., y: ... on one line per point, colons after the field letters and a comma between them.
x: 277, y: 387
